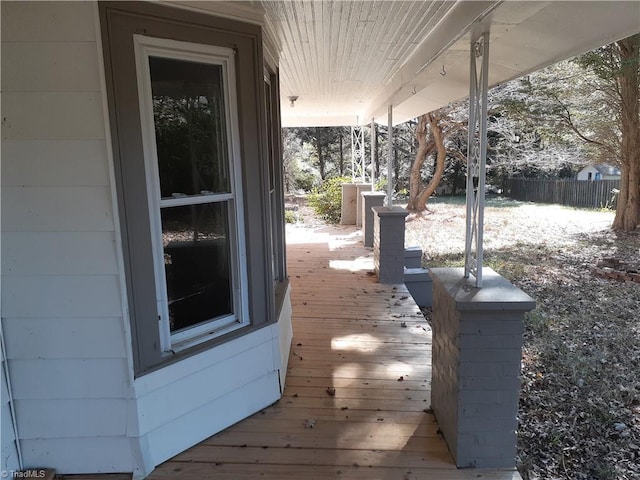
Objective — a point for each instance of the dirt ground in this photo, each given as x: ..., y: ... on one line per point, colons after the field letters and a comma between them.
x: 579, y: 412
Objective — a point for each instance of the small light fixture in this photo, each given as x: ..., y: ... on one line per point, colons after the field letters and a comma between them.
x: 292, y: 100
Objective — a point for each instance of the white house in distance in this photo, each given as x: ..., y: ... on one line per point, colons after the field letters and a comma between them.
x: 602, y: 171
x: 145, y: 302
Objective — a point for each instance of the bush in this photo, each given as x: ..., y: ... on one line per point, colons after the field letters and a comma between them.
x: 303, y: 181
x: 289, y: 216
x: 326, y: 200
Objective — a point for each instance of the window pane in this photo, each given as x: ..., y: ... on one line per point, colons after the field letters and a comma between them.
x: 188, y: 111
x: 197, y: 263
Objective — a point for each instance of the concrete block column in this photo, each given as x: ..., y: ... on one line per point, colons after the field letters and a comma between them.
x: 349, y: 202
x: 351, y: 209
x: 360, y: 189
x: 388, y: 243
x: 369, y: 200
x: 477, y: 349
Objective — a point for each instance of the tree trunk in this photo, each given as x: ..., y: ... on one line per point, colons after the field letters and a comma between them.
x: 321, y: 161
x: 418, y: 196
x: 415, y: 178
x: 438, y: 138
x: 396, y: 171
x: 341, y: 164
x: 628, y: 206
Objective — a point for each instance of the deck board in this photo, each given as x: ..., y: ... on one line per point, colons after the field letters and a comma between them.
x: 371, y: 344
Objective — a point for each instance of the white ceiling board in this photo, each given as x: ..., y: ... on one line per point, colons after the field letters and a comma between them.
x: 548, y: 32
x: 350, y: 59
x: 337, y: 56
x: 347, y: 60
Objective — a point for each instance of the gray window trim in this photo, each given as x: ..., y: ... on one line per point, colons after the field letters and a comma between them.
x: 119, y: 22
x: 278, y: 220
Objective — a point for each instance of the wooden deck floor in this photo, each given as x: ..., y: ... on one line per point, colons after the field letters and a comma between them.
x: 356, y: 405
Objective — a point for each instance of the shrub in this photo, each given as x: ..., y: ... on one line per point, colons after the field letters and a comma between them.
x: 304, y: 181
x: 326, y: 200
x: 289, y: 216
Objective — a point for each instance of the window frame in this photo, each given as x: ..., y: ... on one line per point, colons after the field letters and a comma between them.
x: 119, y: 22
x: 275, y: 187
x: 146, y: 47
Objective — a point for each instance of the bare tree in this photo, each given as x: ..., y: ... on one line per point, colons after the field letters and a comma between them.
x: 432, y: 131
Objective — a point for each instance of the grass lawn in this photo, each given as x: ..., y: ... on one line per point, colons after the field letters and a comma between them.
x: 580, y: 403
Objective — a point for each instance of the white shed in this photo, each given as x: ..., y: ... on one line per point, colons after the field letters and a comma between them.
x: 601, y: 171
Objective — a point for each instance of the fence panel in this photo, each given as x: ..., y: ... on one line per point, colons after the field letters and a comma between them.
x: 576, y: 193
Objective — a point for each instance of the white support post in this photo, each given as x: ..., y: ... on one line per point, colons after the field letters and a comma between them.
x: 476, y: 156
x: 390, y: 157
x: 373, y: 155
x: 358, y: 166
x: 353, y: 158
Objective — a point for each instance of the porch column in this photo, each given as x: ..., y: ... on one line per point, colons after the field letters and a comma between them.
x: 348, y: 204
x: 373, y: 154
x: 358, y: 157
x: 390, y: 157
x: 361, y: 189
x: 388, y: 243
x: 351, y: 205
x: 476, y: 155
x: 475, y: 384
x: 369, y: 200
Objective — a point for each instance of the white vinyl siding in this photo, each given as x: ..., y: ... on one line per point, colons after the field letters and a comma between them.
x: 69, y: 349
x: 8, y: 448
x: 82, y: 163
x: 228, y: 383
x: 61, y: 290
x: 285, y: 336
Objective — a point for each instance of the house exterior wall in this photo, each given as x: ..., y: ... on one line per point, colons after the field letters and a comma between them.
x: 8, y: 447
x: 61, y: 291
x: 79, y: 407
x: 186, y: 402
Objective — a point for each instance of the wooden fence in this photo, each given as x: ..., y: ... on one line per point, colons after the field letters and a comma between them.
x: 577, y: 193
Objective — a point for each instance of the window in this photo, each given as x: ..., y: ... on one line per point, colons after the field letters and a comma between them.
x: 186, y: 107
x: 190, y: 143
x: 275, y: 184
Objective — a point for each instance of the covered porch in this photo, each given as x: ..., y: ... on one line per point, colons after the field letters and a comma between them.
x: 357, y: 400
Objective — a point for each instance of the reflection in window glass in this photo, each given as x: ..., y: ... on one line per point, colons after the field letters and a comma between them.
x: 197, y: 263
x: 191, y: 143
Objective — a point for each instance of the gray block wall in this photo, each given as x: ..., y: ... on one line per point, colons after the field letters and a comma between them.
x: 348, y: 205
x: 369, y: 200
x: 351, y: 206
x: 360, y: 189
x: 413, y: 257
x: 388, y: 243
x: 477, y: 349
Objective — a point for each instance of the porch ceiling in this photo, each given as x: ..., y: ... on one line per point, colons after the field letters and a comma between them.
x: 346, y: 61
